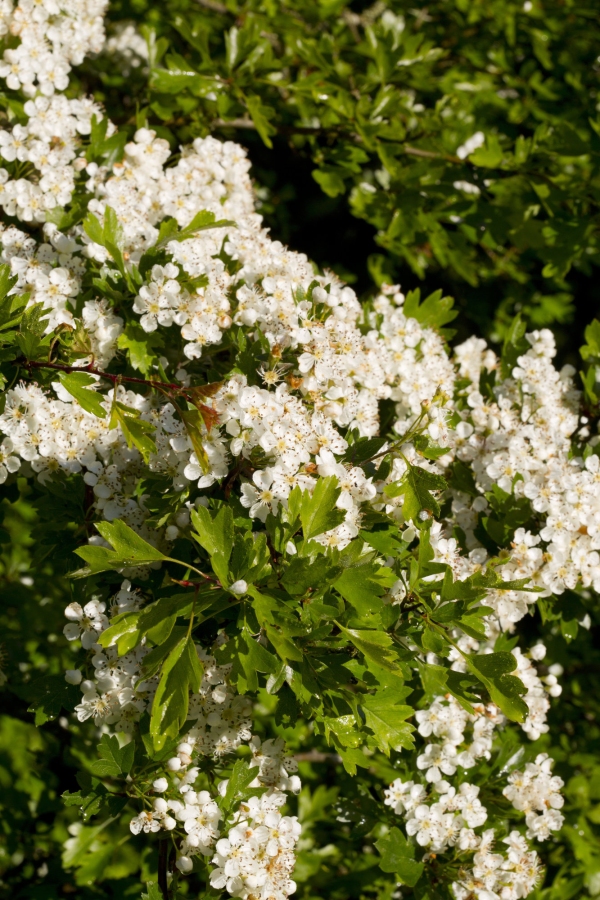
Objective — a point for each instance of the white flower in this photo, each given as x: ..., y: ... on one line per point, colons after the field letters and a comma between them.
x: 85, y: 623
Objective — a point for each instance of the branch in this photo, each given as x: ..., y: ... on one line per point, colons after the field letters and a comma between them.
x: 214, y: 6
x: 430, y: 154
x: 314, y: 130
x: 116, y: 379
x: 316, y: 756
x: 281, y: 129
x: 163, y: 863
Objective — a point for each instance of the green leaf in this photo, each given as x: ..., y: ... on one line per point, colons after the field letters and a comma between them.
x: 591, y: 348
x: 237, y: 785
x: 94, y: 865
x: 490, y: 155
x: 363, y: 449
x: 48, y: 696
x: 362, y: 586
x: 136, y: 431
x: 153, y: 661
x: 124, y: 633
x: 439, y: 680
x: 128, y: 544
x: 303, y: 574
x: 7, y: 280
x: 129, y: 549
x: 114, y: 760
x: 113, y: 230
x: 153, y: 891
x: 376, y: 646
x: 140, y: 346
x: 278, y: 624
x: 330, y: 180
x: 247, y: 658
x: 318, y: 511
x: 397, y: 857
x: 181, y: 672
x: 515, y: 345
x: 214, y: 531
x: 94, y: 229
x: 77, y: 384
x: 260, y: 114
x: 434, y: 312
x: 506, y: 690
x: 417, y: 485
x: 386, y: 718
x: 203, y: 220
x: 31, y: 339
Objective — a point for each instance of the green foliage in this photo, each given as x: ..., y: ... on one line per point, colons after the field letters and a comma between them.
x: 375, y: 105
x: 128, y: 549
x: 397, y: 857
x: 180, y: 673
x: 317, y: 510
x: 77, y: 384
x: 114, y: 760
x: 376, y: 102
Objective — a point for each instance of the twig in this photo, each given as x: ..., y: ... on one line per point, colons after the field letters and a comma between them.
x: 281, y: 129
x: 214, y: 6
x: 317, y: 756
x: 314, y: 130
x: 163, y: 860
x: 164, y: 385
x: 430, y: 154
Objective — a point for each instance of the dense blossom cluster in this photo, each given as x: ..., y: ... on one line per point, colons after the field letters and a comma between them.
x: 332, y: 373
x: 45, y: 39
x: 444, y: 817
x: 521, y: 442
x: 230, y: 287
x: 118, y: 694
x: 257, y: 857
x: 339, y: 377
x: 536, y: 792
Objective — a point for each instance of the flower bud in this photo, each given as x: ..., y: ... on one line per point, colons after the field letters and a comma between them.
x: 239, y: 587
x: 160, y: 785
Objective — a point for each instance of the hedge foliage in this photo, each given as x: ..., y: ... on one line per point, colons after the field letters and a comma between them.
x: 358, y: 121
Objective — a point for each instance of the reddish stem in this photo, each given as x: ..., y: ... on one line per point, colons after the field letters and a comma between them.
x: 33, y: 364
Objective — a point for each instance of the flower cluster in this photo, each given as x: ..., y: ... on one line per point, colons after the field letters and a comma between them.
x: 334, y: 368
x: 256, y: 859
x: 446, y: 723
x: 508, y: 875
x: 536, y: 792
x: 303, y: 372
x: 447, y: 818
x: 51, y: 36
x: 126, y: 48
x: 520, y: 440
